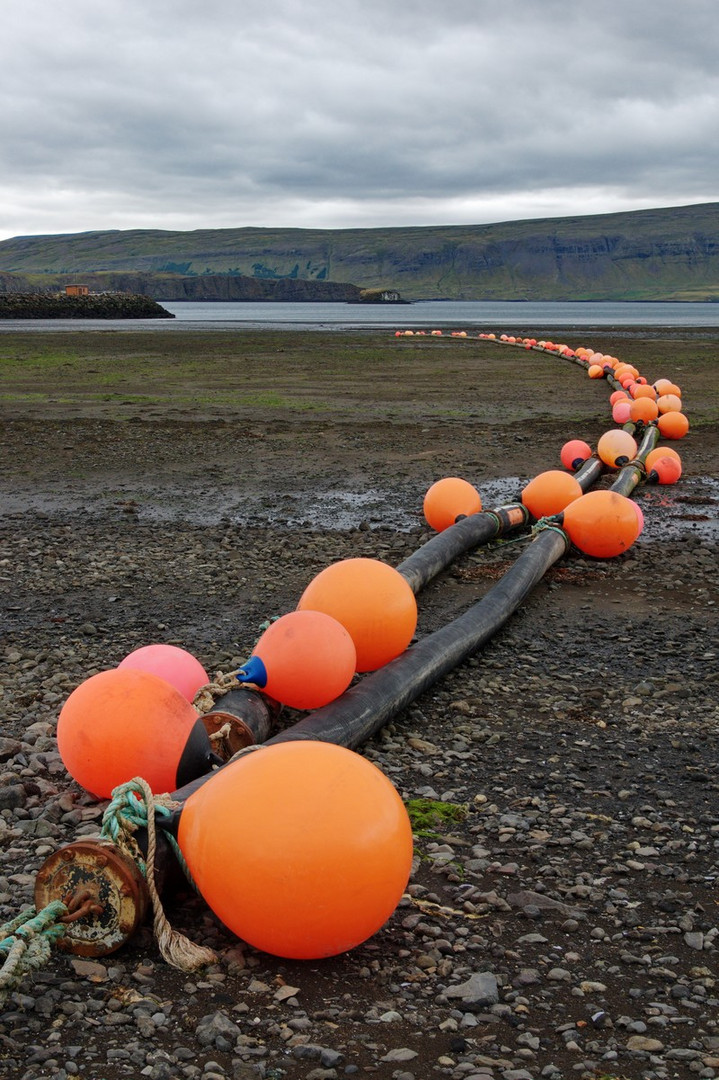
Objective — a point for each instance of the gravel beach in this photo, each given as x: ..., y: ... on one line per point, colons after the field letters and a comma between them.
x: 562, y: 918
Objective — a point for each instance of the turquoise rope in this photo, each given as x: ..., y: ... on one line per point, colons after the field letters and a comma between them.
x: 27, y: 941
x: 127, y: 812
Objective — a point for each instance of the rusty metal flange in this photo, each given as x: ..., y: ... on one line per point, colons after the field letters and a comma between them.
x: 105, y: 893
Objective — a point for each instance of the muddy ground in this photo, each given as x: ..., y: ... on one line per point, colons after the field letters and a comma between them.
x: 186, y: 487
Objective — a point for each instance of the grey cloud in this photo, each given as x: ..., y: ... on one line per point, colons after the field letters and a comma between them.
x: 183, y: 115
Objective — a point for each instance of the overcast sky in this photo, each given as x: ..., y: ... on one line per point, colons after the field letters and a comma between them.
x: 186, y: 114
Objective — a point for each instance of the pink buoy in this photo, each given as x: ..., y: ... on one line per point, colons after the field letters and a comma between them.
x: 176, y: 666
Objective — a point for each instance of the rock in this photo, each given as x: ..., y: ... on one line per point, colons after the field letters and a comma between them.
x: 641, y: 1043
x: 399, y: 1055
x: 217, y: 1028
x: 479, y: 991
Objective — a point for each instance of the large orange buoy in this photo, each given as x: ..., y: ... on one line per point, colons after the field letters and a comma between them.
x: 448, y: 499
x: 574, y: 453
x: 644, y: 409
x: 372, y: 601
x: 177, y: 666
x: 549, y: 492
x: 124, y: 723
x: 616, y: 448
x: 602, y: 523
x: 304, y: 659
x: 673, y: 425
x: 660, y: 452
x: 302, y: 849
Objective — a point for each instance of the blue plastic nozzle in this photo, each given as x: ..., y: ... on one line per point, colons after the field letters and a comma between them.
x: 254, y: 671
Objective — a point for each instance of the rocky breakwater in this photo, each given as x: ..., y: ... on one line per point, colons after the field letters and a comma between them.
x: 99, y: 306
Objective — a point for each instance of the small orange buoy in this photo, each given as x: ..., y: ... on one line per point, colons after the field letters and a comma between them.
x: 448, y: 499
x: 660, y: 452
x: 602, y: 523
x: 618, y: 395
x: 549, y: 493
x: 673, y: 425
x: 669, y: 403
x: 302, y: 849
x: 574, y: 453
x: 304, y: 659
x: 175, y: 665
x: 665, y: 470
x: 594, y: 371
x: 641, y: 389
x: 373, y: 602
x: 616, y: 448
x: 124, y: 723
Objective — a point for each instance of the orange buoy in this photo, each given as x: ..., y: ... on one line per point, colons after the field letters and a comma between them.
x: 618, y: 395
x: 177, y: 666
x: 602, y: 523
x: 644, y: 409
x: 372, y: 601
x: 642, y: 390
x: 448, y: 499
x: 574, y: 453
x: 304, y: 659
x: 659, y: 452
x: 673, y: 425
x: 302, y: 849
x: 616, y: 448
x: 549, y: 493
x: 124, y: 723
x: 595, y: 371
x: 669, y: 403
x: 665, y: 470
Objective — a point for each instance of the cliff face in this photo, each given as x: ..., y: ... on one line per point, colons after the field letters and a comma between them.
x: 169, y: 287
x: 665, y: 254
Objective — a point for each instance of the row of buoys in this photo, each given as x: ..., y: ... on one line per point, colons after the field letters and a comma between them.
x: 304, y: 849
x: 137, y: 719
x: 321, y: 848
x: 603, y: 526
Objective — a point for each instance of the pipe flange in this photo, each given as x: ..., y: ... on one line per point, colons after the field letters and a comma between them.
x: 105, y: 893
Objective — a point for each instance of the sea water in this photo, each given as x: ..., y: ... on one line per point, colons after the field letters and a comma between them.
x: 521, y: 317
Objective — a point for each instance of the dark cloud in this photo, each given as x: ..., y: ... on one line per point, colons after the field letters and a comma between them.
x: 173, y: 114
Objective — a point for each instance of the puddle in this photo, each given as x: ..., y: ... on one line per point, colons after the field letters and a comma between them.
x: 688, y: 509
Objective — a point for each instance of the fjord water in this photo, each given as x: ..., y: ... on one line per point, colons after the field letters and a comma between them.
x: 444, y: 313
x: 498, y: 316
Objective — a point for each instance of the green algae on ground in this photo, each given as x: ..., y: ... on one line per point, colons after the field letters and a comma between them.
x: 428, y: 816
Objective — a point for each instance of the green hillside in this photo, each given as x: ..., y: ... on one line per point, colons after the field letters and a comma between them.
x: 662, y: 254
